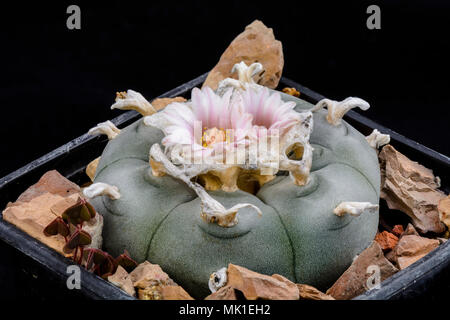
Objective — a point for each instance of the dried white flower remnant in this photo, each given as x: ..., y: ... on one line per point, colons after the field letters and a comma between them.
x: 212, y: 210
x: 355, y: 208
x: 376, y: 139
x: 245, y: 80
x: 102, y: 189
x: 246, y: 73
x: 296, y: 154
x: 337, y: 109
x: 132, y: 100
x: 217, y: 279
x: 107, y: 128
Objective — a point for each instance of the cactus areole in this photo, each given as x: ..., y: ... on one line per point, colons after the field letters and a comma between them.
x: 243, y: 175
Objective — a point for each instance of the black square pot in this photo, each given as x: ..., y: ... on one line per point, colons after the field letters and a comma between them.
x: 31, y: 269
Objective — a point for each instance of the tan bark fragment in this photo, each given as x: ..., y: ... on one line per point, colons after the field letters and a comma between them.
x: 33, y: 216
x: 51, y: 182
x: 91, y: 168
x: 154, y: 284
x: 224, y: 293
x: 40, y: 204
x: 147, y: 274
x: 398, y: 230
x: 386, y: 240
x: 174, y: 293
x: 411, y: 188
x: 444, y: 210
x: 256, y: 44
x: 291, y: 91
x: 411, y: 248
x: 310, y: 293
x: 161, y: 103
x: 259, y: 286
x: 353, y: 281
x: 122, y: 279
x: 410, y: 230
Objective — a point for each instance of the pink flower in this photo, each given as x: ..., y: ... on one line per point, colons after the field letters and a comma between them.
x: 205, y: 123
x: 269, y: 111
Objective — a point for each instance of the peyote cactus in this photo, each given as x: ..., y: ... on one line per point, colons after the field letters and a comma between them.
x: 171, y: 197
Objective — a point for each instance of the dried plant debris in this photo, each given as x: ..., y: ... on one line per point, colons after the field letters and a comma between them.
x: 101, y: 189
x: 33, y: 217
x: 161, y: 103
x: 122, y: 279
x: 398, y: 230
x: 91, y: 168
x: 386, y: 240
x: 254, y: 285
x: 406, y: 246
x: 355, y: 208
x: 50, y: 182
x: 410, y: 230
x: 256, y: 44
x: 337, y: 109
x: 291, y: 91
x: 354, y: 281
x: 411, y: 188
x: 411, y: 248
x: 132, y: 100
x: 152, y: 283
x: 218, y: 280
x: 444, y: 210
x: 224, y: 293
x: 42, y: 206
x: 376, y: 139
x: 236, y: 283
x: 107, y: 128
x: 310, y: 293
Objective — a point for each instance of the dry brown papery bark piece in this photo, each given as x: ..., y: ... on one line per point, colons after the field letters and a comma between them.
x: 444, y: 210
x: 122, y: 279
x: 353, y: 281
x: 224, y: 293
x: 254, y: 285
x: 386, y: 240
x: 411, y: 188
x: 411, y: 248
x: 256, y: 44
x: 40, y: 204
x: 310, y: 293
x: 161, y: 103
x: 152, y: 283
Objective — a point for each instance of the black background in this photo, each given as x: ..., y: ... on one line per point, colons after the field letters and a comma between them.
x: 57, y: 83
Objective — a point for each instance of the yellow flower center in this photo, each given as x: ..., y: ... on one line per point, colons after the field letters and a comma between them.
x: 213, y: 135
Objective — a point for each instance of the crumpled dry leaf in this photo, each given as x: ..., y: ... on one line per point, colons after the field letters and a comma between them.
x: 411, y: 188
x: 256, y: 44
